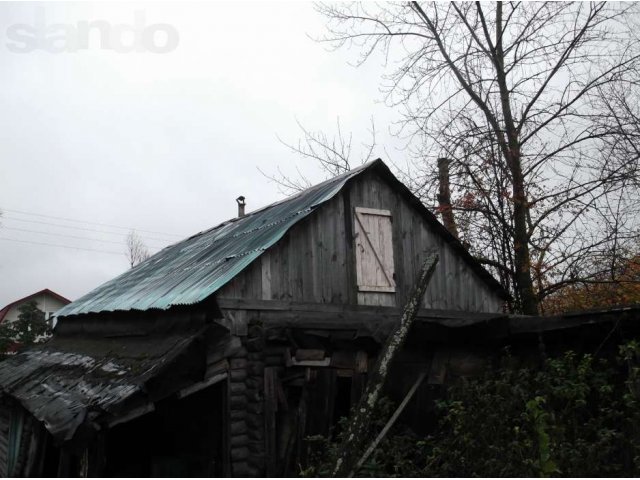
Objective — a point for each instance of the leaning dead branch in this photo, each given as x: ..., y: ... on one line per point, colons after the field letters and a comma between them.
x: 355, y: 437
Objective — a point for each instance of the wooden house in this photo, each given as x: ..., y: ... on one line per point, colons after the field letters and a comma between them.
x: 221, y: 353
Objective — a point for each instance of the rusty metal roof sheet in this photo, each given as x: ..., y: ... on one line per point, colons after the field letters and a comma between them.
x: 69, y: 381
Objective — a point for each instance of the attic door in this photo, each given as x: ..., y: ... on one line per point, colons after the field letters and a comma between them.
x: 374, y: 254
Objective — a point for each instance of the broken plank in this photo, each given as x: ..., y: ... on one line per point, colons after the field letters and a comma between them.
x: 309, y: 354
x: 196, y: 387
x: 389, y: 424
x: 132, y: 414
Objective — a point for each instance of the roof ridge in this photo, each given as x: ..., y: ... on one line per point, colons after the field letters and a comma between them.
x: 354, y: 171
x: 190, y: 270
x: 193, y: 269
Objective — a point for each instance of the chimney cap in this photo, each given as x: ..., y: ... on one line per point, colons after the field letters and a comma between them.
x: 241, y: 205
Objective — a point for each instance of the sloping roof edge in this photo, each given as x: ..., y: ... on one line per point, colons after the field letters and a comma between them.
x: 316, y: 195
x: 440, y: 229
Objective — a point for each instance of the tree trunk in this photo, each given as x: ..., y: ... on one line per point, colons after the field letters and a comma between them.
x: 353, y: 445
x: 522, y: 259
x: 524, y: 283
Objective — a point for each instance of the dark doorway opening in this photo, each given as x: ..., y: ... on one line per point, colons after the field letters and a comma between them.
x: 51, y: 460
x: 181, y: 438
x: 342, y: 403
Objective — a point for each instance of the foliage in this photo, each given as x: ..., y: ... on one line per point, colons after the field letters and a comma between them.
x: 31, y: 327
x: 575, y: 415
x: 6, y: 338
x: 615, y: 286
x: 399, y: 459
x: 31, y: 324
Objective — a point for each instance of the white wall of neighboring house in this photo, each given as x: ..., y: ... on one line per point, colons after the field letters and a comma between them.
x: 46, y: 302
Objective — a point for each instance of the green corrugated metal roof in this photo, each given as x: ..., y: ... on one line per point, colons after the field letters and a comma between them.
x: 191, y: 270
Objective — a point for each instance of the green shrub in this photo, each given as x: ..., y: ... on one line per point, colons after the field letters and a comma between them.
x: 576, y: 416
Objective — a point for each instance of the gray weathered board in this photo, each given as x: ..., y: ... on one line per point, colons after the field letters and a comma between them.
x: 316, y: 260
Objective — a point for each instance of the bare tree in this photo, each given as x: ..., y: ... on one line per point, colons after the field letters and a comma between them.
x: 512, y: 94
x: 334, y: 154
x: 137, y: 251
x: 616, y: 246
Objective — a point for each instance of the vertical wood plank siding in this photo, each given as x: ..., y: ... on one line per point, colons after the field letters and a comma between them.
x: 5, y: 420
x: 312, y: 262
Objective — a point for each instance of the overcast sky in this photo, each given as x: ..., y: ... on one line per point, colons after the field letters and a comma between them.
x: 159, y: 141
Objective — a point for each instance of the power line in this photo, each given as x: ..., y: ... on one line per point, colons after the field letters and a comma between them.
x: 63, y: 235
x: 22, y: 212
x: 62, y: 246
x: 79, y: 228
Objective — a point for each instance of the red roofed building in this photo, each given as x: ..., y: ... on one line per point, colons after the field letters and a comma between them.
x: 47, y: 300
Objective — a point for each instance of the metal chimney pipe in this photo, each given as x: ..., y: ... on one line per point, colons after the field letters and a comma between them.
x: 241, y: 204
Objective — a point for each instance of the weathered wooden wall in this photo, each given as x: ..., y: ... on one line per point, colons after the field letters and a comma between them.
x: 5, y: 420
x: 26, y: 454
x: 308, y: 264
x: 315, y: 261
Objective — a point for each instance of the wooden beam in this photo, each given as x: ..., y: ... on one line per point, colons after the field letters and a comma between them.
x: 325, y: 362
x: 524, y: 324
x: 350, y: 260
x: 270, y: 410
x: 133, y: 414
x: 309, y: 354
x: 373, y: 211
x: 226, y: 429
x: 362, y: 361
x: 347, y: 310
x: 196, y: 387
x: 389, y: 424
x: 221, y: 366
x: 438, y: 370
